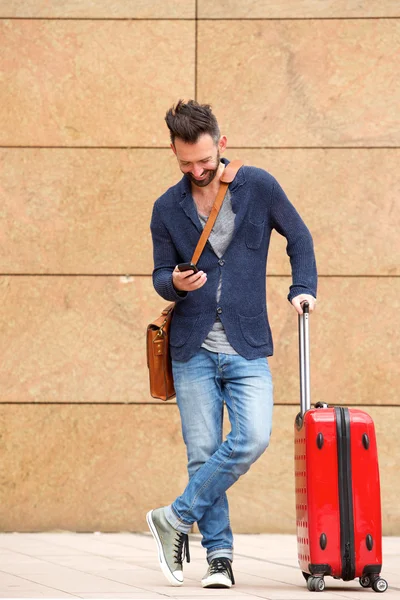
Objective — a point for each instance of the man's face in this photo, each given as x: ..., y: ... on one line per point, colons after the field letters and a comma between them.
x: 199, y: 161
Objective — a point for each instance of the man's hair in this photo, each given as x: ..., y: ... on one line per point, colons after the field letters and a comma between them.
x: 189, y: 120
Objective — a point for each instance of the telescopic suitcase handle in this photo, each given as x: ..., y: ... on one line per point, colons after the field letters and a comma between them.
x: 304, y: 351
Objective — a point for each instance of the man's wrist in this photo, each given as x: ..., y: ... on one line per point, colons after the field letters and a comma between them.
x: 180, y: 293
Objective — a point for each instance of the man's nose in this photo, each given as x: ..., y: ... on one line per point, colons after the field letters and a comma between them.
x: 197, y: 170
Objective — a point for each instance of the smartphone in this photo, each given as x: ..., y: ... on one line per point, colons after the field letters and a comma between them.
x: 188, y: 267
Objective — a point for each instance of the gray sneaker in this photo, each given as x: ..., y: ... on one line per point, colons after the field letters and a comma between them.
x: 219, y: 574
x: 171, y: 545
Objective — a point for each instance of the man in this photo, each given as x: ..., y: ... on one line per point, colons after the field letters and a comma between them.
x: 220, y: 337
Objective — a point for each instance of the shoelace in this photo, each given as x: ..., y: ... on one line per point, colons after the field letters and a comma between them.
x: 182, y: 546
x: 219, y: 565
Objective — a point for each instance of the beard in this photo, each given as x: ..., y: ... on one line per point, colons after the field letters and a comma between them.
x: 210, y: 175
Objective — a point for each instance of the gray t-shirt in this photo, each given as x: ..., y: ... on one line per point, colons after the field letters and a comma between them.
x: 220, y: 238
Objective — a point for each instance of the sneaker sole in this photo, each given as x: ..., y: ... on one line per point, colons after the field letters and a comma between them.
x: 161, y: 558
x: 216, y: 581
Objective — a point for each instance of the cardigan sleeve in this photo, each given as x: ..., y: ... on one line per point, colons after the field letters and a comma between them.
x: 300, y: 249
x: 165, y: 259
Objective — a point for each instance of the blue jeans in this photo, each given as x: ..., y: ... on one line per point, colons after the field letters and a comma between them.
x: 202, y: 386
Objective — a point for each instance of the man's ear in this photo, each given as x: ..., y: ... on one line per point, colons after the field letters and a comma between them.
x: 222, y: 143
x: 173, y: 148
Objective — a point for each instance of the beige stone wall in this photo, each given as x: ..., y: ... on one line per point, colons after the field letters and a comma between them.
x: 305, y: 89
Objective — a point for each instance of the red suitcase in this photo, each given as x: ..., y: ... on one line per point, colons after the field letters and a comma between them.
x: 338, y: 509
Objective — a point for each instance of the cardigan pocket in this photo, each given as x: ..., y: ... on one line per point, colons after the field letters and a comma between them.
x: 181, y: 329
x: 254, y: 234
x: 255, y: 330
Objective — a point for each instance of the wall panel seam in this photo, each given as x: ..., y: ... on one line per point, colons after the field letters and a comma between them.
x: 196, y: 38
x: 375, y: 18
x: 164, y: 404
x: 204, y: 19
x: 110, y: 19
x: 12, y: 147
x: 269, y: 275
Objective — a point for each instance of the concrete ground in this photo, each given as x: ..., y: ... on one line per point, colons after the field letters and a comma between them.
x: 124, y: 565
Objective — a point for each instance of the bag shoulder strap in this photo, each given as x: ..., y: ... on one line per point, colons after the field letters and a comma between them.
x: 227, y: 177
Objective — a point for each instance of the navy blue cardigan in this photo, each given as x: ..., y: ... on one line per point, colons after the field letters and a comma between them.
x: 260, y: 205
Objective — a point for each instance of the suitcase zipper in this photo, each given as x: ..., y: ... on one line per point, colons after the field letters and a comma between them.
x: 345, y: 493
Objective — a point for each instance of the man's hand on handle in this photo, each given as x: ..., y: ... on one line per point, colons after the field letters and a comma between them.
x: 298, y: 300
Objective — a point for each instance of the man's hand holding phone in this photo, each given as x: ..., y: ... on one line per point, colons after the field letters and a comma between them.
x: 187, y: 278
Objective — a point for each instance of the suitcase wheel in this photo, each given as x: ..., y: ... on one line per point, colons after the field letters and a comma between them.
x: 380, y: 585
x: 315, y: 584
x: 365, y: 581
